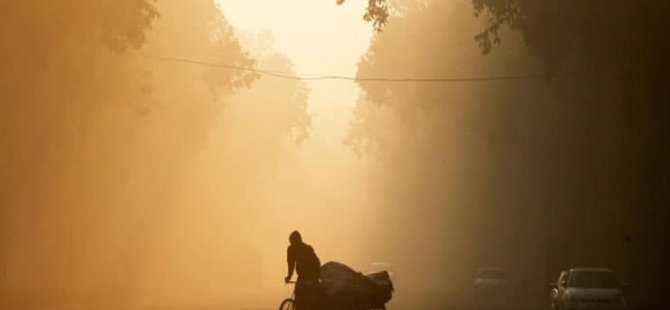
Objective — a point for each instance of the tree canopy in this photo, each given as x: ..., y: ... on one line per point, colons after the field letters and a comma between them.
x: 467, y: 161
x: 102, y: 145
x: 612, y: 35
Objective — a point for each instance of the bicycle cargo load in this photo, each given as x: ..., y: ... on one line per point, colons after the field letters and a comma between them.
x: 343, y: 285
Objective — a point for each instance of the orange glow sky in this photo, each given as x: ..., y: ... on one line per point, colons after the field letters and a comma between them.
x: 320, y: 38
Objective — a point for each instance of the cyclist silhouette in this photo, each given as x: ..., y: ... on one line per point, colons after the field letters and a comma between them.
x: 302, y: 258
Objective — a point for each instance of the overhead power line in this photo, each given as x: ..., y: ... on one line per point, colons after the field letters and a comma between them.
x: 288, y: 76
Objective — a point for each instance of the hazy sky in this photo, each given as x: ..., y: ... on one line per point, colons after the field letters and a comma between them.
x: 318, y: 35
x: 321, y: 38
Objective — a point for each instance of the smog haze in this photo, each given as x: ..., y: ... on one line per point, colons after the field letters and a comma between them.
x: 156, y: 154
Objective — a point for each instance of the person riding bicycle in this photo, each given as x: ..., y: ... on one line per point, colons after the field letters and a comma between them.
x: 302, y: 258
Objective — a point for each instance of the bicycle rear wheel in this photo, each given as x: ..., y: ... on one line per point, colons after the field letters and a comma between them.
x: 287, y: 304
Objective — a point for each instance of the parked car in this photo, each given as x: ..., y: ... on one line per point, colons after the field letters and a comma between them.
x: 553, y: 294
x: 492, y: 288
x: 588, y: 288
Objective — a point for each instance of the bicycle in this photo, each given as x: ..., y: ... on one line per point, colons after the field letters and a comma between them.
x: 288, y: 303
x: 324, y: 303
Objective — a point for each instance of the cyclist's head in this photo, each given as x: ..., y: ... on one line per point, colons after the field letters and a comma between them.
x: 295, y: 237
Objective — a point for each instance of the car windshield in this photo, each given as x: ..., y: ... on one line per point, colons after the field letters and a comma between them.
x: 491, y: 274
x: 593, y: 279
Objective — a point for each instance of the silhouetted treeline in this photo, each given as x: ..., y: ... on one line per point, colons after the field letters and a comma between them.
x: 122, y: 176
x: 531, y: 175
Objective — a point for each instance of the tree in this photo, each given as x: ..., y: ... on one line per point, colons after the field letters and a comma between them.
x: 558, y: 153
x: 377, y: 13
x: 98, y: 140
x: 560, y: 32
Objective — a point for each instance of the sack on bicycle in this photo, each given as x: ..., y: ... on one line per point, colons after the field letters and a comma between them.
x: 349, y: 289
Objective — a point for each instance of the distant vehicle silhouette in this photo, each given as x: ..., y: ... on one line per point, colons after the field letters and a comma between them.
x: 491, y: 288
x: 590, y: 288
x: 554, y: 293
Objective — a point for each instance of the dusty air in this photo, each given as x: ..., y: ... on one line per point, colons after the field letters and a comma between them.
x: 334, y: 155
